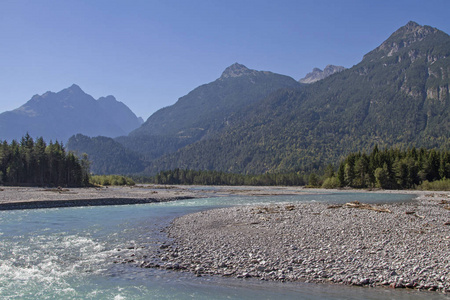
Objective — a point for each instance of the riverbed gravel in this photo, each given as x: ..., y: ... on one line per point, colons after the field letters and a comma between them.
x: 12, y: 198
x: 403, y: 245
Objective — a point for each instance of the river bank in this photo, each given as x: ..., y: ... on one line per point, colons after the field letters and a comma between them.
x: 35, y: 197
x: 404, y: 245
x: 397, y: 245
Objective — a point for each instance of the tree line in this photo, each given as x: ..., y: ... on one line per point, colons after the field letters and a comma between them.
x: 30, y: 162
x: 199, y: 177
x: 390, y: 169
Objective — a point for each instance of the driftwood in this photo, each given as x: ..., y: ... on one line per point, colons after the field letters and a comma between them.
x: 289, y: 207
x: 334, y: 206
x: 272, y: 209
x: 357, y: 204
x: 266, y: 210
x: 57, y: 190
x: 414, y: 214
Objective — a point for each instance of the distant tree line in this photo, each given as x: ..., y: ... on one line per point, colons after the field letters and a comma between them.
x: 30, y: 162
x: 390, y: 169
x: 197, y: 177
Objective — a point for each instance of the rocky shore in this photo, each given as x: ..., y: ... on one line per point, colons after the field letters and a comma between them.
x: 403, y: 245
x: 396, y: 245
x: 35, y: 197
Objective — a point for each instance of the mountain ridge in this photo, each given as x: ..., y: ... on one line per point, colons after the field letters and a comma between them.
x: 400, y: 100
x: 57, y: 116
x: 204, y: 111
x: 397, y: 96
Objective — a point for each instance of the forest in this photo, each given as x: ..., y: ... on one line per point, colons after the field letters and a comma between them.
x: 31, y: 163
x: 390, y: 168
x: 200, y: 177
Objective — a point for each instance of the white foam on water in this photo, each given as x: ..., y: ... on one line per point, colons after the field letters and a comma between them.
x: 39, y: 266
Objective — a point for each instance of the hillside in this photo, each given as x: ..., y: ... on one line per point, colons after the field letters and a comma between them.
x: 106, y: 155
x: 204, y: 112
x: 57, y: 116
x: 396, y: 96
x: 206, y: 108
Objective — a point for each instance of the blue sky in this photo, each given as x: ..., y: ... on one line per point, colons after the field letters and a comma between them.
x: 149, y: 53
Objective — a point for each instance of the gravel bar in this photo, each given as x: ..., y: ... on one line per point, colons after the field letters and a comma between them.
x: 403, y: 245
x: 12, y: 198
x: 82, y: 202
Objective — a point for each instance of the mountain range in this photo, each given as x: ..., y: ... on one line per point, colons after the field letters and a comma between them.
x: 317, y: 74
x: 253, y: 122
x: 205, y: 111
x: 396, y: 96
x: 199, y: 115
x: 58, y: 116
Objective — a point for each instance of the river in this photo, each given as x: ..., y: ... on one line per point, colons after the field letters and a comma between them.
x: 69, y: 253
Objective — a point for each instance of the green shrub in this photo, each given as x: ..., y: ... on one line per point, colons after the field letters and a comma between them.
x: 331, y: 183
x: 107, y: 180
x: 439, y: 185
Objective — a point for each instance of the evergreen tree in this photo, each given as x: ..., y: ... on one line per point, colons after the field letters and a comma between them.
x: 35, y: 163
x: 394, y: 168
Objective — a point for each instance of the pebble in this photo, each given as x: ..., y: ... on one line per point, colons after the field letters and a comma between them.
x: 311, y: 243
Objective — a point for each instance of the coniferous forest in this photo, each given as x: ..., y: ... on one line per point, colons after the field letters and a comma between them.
x: 391, y: 169
x: 30, y: 162
x: 205, y: 177
x: 388, y: 169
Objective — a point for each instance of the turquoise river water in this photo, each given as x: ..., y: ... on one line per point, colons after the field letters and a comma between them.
x: 68, y: 253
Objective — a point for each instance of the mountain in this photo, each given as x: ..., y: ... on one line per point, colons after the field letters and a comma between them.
x: 206, y: 108
x: 317, y: 74
x: 106, y: 155
x: 57, y: 116
x: 118, y: 111
x: 396, y: 96
x: 251, y: 121
x: 205, y: 111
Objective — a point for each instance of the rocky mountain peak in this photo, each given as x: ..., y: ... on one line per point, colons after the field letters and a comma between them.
x: 410, y: 33
x: 317, y: 74
x: 416, y: 30
x: 108, y: 99
x: 75, y: 89
x: 404, y: 37
x: 236, y: 70
x: 331, y: 69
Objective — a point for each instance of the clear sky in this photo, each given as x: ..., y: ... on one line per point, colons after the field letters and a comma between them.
x: 149, y: 53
